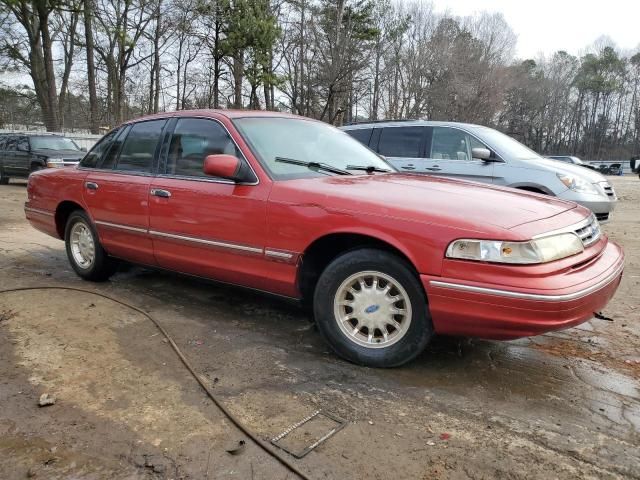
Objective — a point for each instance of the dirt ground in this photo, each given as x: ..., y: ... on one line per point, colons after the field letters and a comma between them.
x: 562, y: 405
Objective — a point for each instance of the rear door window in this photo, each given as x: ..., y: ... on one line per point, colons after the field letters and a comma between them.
x: 140, y: 146
x: 401, y: 141
x: 363, y: 135
x: 22, y: 144
x: 192, y: 141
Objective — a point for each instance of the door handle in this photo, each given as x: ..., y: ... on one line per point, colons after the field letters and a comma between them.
x: 408, y: 167
x: 91, y: 185
x: 433, y: 169
x: 158, y: 192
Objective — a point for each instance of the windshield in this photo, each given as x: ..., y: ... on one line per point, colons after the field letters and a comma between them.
x: 53, y: 143
x: 305, y: 141
x: 504, y: 145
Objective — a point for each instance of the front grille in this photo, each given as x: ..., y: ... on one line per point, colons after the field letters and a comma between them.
x: 589, y: 233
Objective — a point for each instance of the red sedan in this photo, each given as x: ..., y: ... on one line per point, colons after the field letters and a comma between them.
x: 298, y: 208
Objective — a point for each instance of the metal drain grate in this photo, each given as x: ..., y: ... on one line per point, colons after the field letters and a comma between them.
x: 318, y: 428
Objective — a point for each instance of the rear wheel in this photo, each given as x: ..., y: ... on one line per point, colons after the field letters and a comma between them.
x: 4, y: 180
x: 371, y: 309
x: 86, y: 255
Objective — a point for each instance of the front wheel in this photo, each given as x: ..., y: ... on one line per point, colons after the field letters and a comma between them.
x: 86, y: 255
x: 371, y: 309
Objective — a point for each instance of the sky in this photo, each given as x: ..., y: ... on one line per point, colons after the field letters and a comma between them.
x: 545, y: 26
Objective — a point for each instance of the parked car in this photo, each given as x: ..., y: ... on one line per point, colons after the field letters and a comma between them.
x: 572, y: 160
x: 297, y: 208
x: 21, y: 154
x: 481, y: 154
x: 615, y: 169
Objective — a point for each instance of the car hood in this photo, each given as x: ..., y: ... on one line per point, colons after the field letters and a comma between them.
x: 566, y: 168
x: 66, y: 154
x: 424, y: 198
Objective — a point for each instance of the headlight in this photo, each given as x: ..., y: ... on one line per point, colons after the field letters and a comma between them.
x: 577, y: 184
x: 540, y: 250
x: 55, y: 162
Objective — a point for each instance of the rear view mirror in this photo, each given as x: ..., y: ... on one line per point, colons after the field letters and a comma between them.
x: 482, y: 154
x: 227, y: 166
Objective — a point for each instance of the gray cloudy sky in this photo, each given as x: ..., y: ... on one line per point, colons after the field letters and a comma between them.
x: 545, y: 26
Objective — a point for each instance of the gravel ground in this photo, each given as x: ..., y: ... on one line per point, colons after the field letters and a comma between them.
x: 562, y: 405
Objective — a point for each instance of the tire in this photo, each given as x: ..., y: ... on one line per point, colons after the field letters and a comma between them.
x: 4, y: 180
x: 81, y: 239
x: 372, y: 306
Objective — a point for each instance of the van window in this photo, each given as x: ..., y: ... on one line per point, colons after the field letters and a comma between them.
x: 363, y: 135
x: 140, y: 147
x: 401, y: 141
x: 451, y: 144
x: 192, y: 141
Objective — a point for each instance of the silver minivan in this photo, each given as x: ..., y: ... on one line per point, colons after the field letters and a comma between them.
x: 482, y: 154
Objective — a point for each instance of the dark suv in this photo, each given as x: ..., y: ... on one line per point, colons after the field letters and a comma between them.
x: 21, y: 154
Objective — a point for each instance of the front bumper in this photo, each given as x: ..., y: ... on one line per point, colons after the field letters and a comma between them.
x: 601, y: 204
x: 496, y: 311
x: 602, y: 208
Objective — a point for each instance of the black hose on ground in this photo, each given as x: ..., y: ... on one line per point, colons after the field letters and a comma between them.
x: 210, y: 394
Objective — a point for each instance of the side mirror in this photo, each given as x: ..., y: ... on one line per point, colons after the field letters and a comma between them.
x: 482, y: 154
x: 21, y: 148
x: 83, y: 149
x: 227, y: 166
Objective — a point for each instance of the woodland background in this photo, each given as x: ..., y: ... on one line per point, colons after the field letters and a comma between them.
x: 73, y: 65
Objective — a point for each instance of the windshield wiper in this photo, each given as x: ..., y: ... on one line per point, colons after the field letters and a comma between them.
x: 368, y: 168
x: 313, y: 165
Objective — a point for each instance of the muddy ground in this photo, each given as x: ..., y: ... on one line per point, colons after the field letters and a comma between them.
x: 562, y: 405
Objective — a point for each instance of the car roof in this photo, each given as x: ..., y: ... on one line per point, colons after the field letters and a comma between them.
x: 212, y: 113
x: 31, y: 134
x: 409, y: 123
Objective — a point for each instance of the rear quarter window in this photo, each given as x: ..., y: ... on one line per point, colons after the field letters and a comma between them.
x: 10, y: 143
x: 92, y: 158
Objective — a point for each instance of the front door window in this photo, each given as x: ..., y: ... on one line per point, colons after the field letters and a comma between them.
x: 192, y: 141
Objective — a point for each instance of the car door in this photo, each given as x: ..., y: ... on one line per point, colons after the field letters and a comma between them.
x: 403, y: 147
x: 450, y: 154
x: 22, y: 157
x: 202, y: 225
x: 117, y: 192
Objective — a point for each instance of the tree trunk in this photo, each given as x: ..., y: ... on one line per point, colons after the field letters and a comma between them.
x: 94, y: 125
x: 156, y: 59
x: 238, y: 74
